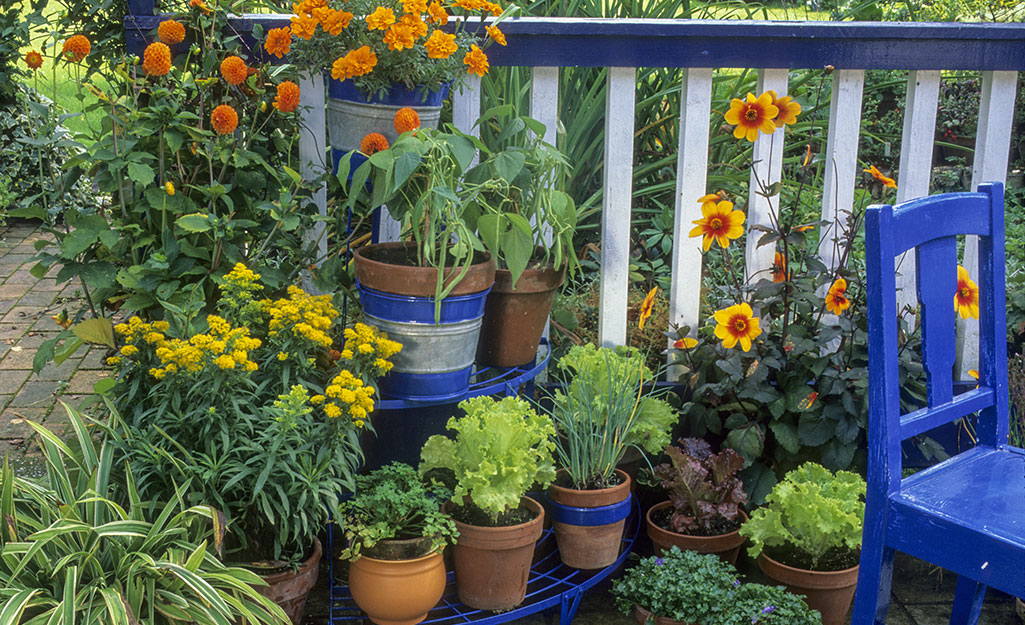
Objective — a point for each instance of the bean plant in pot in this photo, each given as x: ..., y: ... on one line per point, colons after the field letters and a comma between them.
x: 688, y: 588
x: 527, y: 225
x: 596, y: 414
x: 704, y: 511
x: 396, y: 533
x: 501, y: 448
x: 808, y: 536
x: 429, y: 294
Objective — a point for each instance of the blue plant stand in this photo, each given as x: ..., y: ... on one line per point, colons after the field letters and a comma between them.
x: 551, y: 584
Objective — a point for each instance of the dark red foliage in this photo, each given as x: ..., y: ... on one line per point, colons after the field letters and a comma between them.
x: 703, y: 486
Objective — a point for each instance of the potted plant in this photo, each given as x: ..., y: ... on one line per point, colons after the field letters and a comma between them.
x: 704, y: 511
x: 501, y: 448
x: 256, y: 412
x: 429, y: 294
x: 596, y: 413
x: 528, y: 225
x: 808, y: 536
x: 396, y: 533
x: 688, y: 588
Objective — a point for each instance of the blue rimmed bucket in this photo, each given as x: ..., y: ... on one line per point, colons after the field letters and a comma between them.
x: 589, y: 524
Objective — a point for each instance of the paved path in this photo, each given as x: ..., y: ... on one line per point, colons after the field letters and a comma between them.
x: 922, y: 594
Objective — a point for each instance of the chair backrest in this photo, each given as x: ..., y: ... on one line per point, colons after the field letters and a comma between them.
x: 931, y: 226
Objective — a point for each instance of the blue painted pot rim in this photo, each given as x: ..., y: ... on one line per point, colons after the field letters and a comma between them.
x: 398, y: 95
x: 590, y: 517
x: 417, y: 309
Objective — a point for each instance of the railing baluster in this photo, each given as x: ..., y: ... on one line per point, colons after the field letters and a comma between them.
x: 691, y: 180
x: 915, y: 170
x: 992, y: 144
x: 312, y: 150
x: 466, y: 107
x: 841, y: 157
x: 767, y: 169
x: 615, y: 216
x: 544, y: 107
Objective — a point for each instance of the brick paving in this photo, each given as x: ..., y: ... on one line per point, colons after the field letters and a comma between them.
x: 922, y: 594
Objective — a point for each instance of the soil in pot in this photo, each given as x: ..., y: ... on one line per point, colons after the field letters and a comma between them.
x: 589, y: 547
x: 289, y: 588
x: 394, y: 591
x: 725, y: 544
x: 829, y: 592
x: 492, y: 564
x: 514, y: 319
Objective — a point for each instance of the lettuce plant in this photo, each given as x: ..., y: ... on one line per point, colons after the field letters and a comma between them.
x: 501, y: 448
x: 812, y: 510
x: 703, y: 487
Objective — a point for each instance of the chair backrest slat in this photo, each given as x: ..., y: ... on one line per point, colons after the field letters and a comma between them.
x: 936, y: 261
x: 925, y: 419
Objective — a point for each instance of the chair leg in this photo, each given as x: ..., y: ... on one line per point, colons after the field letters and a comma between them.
x: 875, y: 574
x: 967, y: 601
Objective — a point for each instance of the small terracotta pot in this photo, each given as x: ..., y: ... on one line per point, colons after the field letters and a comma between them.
x: 397, y: 592
x: 289, y: 589
x: 644, y: 617
x: 492, y: 564
x: 514, y: 319
x: 375, y: 272
x: 829, y: 592
x: 589, y: 547
x: 726, y: 546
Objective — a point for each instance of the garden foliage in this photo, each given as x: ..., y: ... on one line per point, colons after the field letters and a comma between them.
x: 703, y: 487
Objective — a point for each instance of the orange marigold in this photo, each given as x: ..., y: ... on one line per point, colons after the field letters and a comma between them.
x: 234, y: 70
x: 494, y: 8
x: 332, y: 21
x: 171, y: 32
x: 372, y: 143
x: 405, y: 120
x: 279, y: 41
x: 441, y: 45
x: 437, y: 14
x: 476, y: 61
x: 200, y: 6
x: 356, y: 63
x: 288, y: 97
x: 416, y: 25
x: 33, y: 59
x: 414, y: 7
x: 156, y: 59
x: 224, y: 119
x: 470, y: 5
x: 399, y: 37
x: 496, y: 34
x: 304, y: 27
x: 380, y: 19
x: 76, y: 48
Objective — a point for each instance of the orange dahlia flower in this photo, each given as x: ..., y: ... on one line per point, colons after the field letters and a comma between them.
x: 646, y: 307
x: 224, y: 120
x: 751, y: 115
x: 476, y: 61
x: 33, y: 59
x: 441, y: 45
x: 496, y: 34
x: 156, y: 59
x: 836, y: 298
x: 287, y: 99
x: 405, y: 120
x: 966, y: 300
x: 719, y: 222
x: 372, y: 143
x: 788, y: 109
x: 76, y: 48
x: 737, y: 324
x: 878, y: 175
x: 279, y: 41
x: 234, y: 70
x: 171, y: 32
x: 200, y: 6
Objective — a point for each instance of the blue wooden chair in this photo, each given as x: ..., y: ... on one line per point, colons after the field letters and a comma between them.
x: 967, y: 513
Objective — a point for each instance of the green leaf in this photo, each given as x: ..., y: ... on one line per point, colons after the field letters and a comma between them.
x: 490, y: 228
x: 104, y: 386
x: 405, y: 165
x: 517, y: 248
x: 508, y: 165
x: 293, y: 174
x: 748, y: 441
x: 786, y: 435
x: 194, y: 222
x: 98, y: 331
x: 141, y: 173
x: 814, y: 430
x: 77, y: 242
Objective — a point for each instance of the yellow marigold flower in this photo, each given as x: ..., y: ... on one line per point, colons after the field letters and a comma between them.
x: 382, y: 365
x: 282, y: 356
x: 476, y: 61
x: 380, y: 19
x: 788, y: 109
x: 303, y: 26
x: 836, y: 298
x: 720, y: 223
x: 372, y: 143
x: 156, y: 59
x: 646, y: 307
x: 169, y: 187
x: 224, y: 119
x: 153, y: 337
x: 170, y: 368
x: 685, y: 343
x: 316, y: 400
x: 333, y: 390
x: 158, y: 373
x: 287, y: 99
x: 234, y: 70
x: 966, y: 300
x: 279, y: 41
x: 225, y: 362
x: 114, y: 360
x: 76, y: 48
x: 355, y: 63
x: 349, y: 333
x: 437, y: 14
x: 441, y: 45
x: 752, y: 115
x: 171, y: 32
x: 129, y: 350
x: 878, y: 175
x: 33, y: 59
x: 365, y: 348
x: 737, y: 323
x: 496, y: 34
x: 399, y: 37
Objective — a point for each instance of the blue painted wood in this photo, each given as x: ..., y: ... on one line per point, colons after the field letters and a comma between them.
x: 966, y: 514
x: 141, y: 7
x: 597, y: 42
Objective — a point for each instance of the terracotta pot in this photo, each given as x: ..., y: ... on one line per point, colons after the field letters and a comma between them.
x: 829, y: 592
x: 374, y: 272
x: 644, y: 617
x: 397, y: 592
x: 514, y: 319
x: 595, y: 546
x: 289, y: 589
x: 726, y: 546
x: 492, y: 564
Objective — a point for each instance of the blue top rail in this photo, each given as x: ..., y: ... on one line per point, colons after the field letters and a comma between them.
x: 598, y: 42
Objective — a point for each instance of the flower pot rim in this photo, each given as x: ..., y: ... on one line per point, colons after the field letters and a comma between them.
x: 499, y: 528
x: 430, y: 555
x: 382, y: 276
x: 622, y: 474
x: 668, y: 503
x: 785, y: 567
x: 286, y: 572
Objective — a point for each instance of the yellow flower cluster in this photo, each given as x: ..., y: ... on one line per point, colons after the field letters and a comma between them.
x: 363, y: 342
x: 136, y: 332
x: 301, y: 314
x: 223, y: 347
x: 239, y: 289
x: 347, y: 393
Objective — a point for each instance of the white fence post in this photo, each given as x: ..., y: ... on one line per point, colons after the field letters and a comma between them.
x: 312, y: 154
